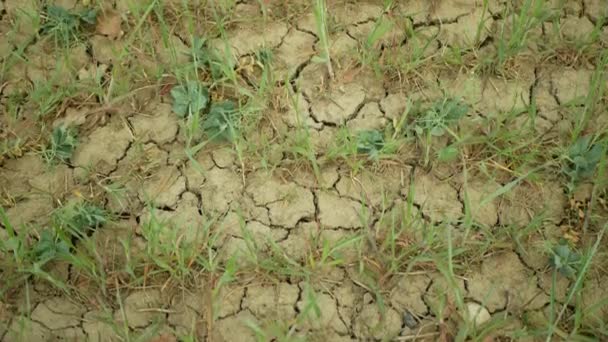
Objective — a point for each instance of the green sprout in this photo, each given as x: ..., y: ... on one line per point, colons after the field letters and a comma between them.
x: 581, y: 160
x: 62, y: 146
x: 66, y: 26
x: 189, y: 99
x: 370, y: 142
x: 564, y: 260
x: 222, y: 122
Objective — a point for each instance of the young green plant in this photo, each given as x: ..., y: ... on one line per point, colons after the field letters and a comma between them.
x: 320, y: 13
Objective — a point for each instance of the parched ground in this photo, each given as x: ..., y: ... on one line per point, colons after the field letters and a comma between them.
x: 291, y: 230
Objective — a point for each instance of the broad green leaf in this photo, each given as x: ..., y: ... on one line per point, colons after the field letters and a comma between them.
x: 437, y: 131
x: 447, y: 154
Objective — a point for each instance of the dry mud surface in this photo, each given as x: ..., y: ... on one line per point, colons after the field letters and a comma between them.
x: 288, y: 209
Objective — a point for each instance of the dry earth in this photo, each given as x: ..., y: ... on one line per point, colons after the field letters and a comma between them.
x: 140, y: 144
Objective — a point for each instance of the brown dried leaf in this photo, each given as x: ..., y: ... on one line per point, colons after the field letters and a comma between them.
x: 108, y: 24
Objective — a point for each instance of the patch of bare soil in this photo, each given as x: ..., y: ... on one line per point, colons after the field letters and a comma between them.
x: 289, y: 214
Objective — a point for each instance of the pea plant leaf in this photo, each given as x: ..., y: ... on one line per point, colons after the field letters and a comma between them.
x: 189, y: 99
x: 370, y: 142
x: 48, y: 247
x: 581, y: 160
x: 222, y: 122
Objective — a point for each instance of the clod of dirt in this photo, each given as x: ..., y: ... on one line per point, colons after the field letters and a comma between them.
x: 338, y: 212
x: 502, y: 96
x: 595, y: 9
x: 422, y: 44
x: 259, y: 233
x: 229, y: 300
x: 526, y: 200
x: 503, y: 280
x: 570, y: 85
x: 250, y: 37
x: 339, y: 105
x: 416, y: 10
x: 96, y: 329
x: 368, y: 118
x: 299, y: 243
x: 403, y: 217
x: 140, y: 309
x: 184, y: 223
x: 534, y: 252
x: 572, y: 29
x: 313, y: 80
x: 407, y: 295
x: 24, y: 329
x: 106, y: 50
x: 140, y: 161
x: 306, y: 178
x: 443, y: 291
x: 393, y: 37
x: 67, y: 4
x: 108, y: 24
x: 32, y: 209
x: 170, y: 51
x: 233, y: 248
x: 183, y: 316
x: 223, y: 157
x: 58, y: 313
x: 69, y: 334
x: 165, y: 337
x: 374, y: 189
x: 476, y: 192
x: 163, y: 188
x: 444, y: 11
x: 394, y: 105
x: 297, y: 49
x: 492, y: 97
x: 6, y: 46
x: 221, y: 188
x: 100, y: 151
x: 41, y: 68
x: 467, y: 30
x: 546, y: 104
x: 477, y: 314
x: 372, y: 323
x: 342, y: 48
x: 160, y: 126
x: 252, y: 212
x: 348, y: 255
x: 297, y: 114
x: 16, y: 173
x: 437, y: 199
x: 329, y: 318
x: 323, y: 139
x: 73, y: 117
x: 365, y: 78
x: 234, y: 328
x: 287, y: 203
x: 595, y: 292
x: 196, y: 169
x: 425, y: 327
x: 272, y: 301
x: 560, y: 289
x: 348, y: 13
